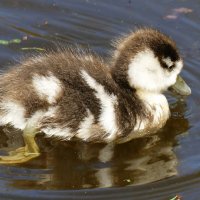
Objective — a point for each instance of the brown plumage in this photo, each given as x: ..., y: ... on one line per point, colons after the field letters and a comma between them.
x: 74, y: 72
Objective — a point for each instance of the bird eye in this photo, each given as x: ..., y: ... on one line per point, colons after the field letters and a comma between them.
x: 167, y: 63
x: 171, y: 67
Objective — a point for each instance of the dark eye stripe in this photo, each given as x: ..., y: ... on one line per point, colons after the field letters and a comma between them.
x: 165, y: 66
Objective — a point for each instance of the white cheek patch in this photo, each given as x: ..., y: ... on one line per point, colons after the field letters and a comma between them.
x: 84, y: 127
x: 13, y: 114
x: 145, y: 72
x: 107, y: 117
x: 47, y: 87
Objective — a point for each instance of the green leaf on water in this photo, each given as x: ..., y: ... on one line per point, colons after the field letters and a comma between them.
x: 177, y: 197
x: 174, y: 198
x: 16, y: 41
x: 32, y: 48
x: 4, y: 42
x: 7, y: 42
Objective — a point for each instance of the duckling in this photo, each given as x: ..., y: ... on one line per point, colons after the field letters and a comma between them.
x: 74, y: 95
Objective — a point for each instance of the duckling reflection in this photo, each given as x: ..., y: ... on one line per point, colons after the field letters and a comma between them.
x: 80, y: 165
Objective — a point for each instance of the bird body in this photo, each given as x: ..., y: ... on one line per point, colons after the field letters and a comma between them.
x: 70, y: 97
x: 73, y: 94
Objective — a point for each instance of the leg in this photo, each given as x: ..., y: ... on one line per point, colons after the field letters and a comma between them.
x: 26, y: 153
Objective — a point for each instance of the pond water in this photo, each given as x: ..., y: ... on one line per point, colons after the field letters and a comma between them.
x: 148, y: 168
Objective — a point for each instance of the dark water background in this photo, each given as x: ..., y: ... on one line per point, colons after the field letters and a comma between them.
x: 155, y: 168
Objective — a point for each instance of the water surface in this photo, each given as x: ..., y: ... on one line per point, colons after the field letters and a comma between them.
x: 149, y: 168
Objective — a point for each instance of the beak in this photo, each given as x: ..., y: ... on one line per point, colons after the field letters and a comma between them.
x: 181, y: 87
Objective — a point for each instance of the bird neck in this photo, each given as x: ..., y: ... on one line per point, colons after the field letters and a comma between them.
x: 156, y: 104
x: 120, y: 78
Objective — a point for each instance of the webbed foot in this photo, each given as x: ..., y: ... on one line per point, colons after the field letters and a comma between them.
x: 18, y: 156
x: 26, y: 153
